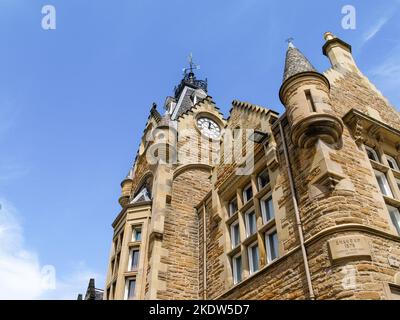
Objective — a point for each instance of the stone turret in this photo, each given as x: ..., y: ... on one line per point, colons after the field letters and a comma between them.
x: 305, y: 94
x: 338, y: 52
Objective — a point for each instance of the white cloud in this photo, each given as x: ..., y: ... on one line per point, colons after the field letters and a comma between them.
x: 386, y: 75
x: 376, y: 27
x: 374, y: 30
x: 21, y: 274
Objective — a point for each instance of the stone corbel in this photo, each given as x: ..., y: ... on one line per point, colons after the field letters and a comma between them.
x: 271, y: 156
x: 326, y: 175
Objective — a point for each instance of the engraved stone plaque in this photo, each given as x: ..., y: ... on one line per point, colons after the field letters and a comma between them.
x: 349, y: 247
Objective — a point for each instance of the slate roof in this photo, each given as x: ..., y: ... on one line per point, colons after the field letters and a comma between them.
x: 296, y: 63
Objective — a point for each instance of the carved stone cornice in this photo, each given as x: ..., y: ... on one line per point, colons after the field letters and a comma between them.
x: 371, y: 127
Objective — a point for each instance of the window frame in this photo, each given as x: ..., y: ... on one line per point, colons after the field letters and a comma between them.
x: 247, y: 224
x: 247, y: 187
x: 376, y: 156
x: 235, y: 274
x: 130, y: 268
x: 127, y: 288
x: 134, y: 233
x: 388, y: 190
x: 263, y: 209
x: 231, y: 228
x: 268, y: 245
x: 393, y: 161
x: 250, y: 257
x: 396, y: 224
x: 230, y: 212
x: 260, y: 187
x: 398, y: 183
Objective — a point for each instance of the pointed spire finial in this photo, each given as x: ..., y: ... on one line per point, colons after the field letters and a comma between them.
x: 290, y: 42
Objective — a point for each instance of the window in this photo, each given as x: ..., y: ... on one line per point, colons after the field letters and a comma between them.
x: 113, y: 291
x: 263, y: 179
x: 112, y: 266
x: 235, y: 235
x: 137, y: 234
x: 117, y: 263
x: 237, y: 268
x: 392, y: 163
x: 395, y: 217
x: 383, y: 184
x: 394, y: 292
x: 271, y: 245
x: 267, y: 210
x: 233, y: 207
x: 247, y: 193
x: 398, y: 183
x: 130, y: 289
x: 251, y: 224
x: 253, y: 257
x: 310, y: 101
x: 134, y: 260
x: 372, y: 155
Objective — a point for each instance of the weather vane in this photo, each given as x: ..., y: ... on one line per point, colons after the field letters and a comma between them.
x: 192, y: 65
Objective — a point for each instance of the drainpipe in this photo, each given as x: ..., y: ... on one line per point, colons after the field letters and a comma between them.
x: 296, y: 210
x: 204, y: 253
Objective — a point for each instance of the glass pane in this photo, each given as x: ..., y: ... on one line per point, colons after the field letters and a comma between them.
x: 233, y: 207
x: 248, y: 194
x: 395, y: 217
x: 391, y: 164
x: 267, y: 210
x: 273, y: 244
x: 263, y: 179
x: 383, y: 185
x: 371, y: 155
x: 235, y: 236
x: 237, y: 269
x: 131, y: 289
x: 135, y: 260
x: 138, y: 235
x: 254, y: 258
x: 251, y: 220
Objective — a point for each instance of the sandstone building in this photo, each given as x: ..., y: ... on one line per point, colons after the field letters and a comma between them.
x: 303, y: 205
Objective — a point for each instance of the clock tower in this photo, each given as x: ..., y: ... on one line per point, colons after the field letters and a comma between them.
x: 155, y: 251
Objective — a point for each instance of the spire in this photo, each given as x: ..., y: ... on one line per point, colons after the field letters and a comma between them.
x: 295, y: 62
x: 189, y: 78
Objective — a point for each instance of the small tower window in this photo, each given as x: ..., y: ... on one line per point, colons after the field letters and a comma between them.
x: 310, y: 101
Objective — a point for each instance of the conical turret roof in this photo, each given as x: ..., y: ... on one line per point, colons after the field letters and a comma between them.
x: 296, y: 63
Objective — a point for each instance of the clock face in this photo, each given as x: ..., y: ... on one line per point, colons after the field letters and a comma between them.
x: 209, y: 127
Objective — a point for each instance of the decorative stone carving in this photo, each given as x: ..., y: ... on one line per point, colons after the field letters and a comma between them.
x: 359, y: 133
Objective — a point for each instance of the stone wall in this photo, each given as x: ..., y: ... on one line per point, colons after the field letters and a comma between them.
x: 181, y: 236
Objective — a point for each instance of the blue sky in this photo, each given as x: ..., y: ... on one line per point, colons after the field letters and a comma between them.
x: 74, y: 101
